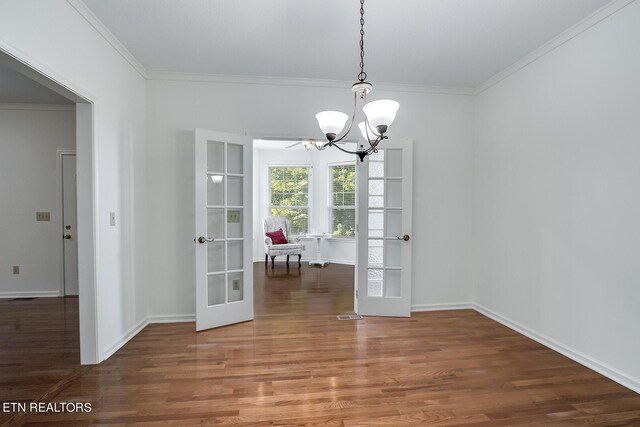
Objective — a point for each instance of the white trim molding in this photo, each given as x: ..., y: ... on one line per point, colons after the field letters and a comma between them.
x: 573, y: 354
x: 302, y: 82
x: 172, y: 318
x: 573, y: 31
x: 37, y: 107
x: 102, y: 29
x: 113, y: 348
x: 416, y: 308
x: 30, y: 294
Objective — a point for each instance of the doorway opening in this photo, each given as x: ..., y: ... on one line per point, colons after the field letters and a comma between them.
x: 65, y: 112
x: 312, y: 196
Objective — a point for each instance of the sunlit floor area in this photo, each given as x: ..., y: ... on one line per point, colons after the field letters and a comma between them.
x: 296, y: 364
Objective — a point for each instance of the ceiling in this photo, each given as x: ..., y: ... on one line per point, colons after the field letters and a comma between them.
x: 16, y: 88
x: 458, y: 43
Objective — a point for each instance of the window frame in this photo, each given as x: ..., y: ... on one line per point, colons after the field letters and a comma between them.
x: 309, y: 168
x: 331, y: 206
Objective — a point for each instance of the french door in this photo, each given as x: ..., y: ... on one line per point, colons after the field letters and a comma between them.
x: 223, y: 238
x: 384, y: 231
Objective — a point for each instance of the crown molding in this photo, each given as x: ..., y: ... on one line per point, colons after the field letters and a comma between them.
x: 37, y: 107
x: 573, y: 31
x: 97, y: 24
x: 301, y: 82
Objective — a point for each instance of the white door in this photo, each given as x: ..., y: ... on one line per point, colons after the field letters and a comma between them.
x: 223, y: 238
x: 69, y: 224
x: 384, y: 231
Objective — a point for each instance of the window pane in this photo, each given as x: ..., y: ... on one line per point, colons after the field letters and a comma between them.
x: 299, y: 218
x: 290, y: 187
x: 343, y: 200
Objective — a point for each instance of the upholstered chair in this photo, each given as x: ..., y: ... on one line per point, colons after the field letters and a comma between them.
x: 271, y: 250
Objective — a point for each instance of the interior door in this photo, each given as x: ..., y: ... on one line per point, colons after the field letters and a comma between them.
x: 70, y: 228
x: 384, y: 231
x: 223, y: 238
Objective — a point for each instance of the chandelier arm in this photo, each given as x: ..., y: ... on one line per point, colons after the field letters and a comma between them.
x: 353, y: 118
x: 329, y: 144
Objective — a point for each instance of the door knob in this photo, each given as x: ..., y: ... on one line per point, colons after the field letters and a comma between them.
x: 67, y: 236
x: 405, y: 237
x: 203, y: 239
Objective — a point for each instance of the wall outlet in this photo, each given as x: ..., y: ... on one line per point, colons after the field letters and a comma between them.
x: 43, y: 216
x: 236, y: 284
x: 112, y: 218
x: 16, y: 269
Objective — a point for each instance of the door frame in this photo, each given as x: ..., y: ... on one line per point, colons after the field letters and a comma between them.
x: 59, y: 155
x: 91, y: 350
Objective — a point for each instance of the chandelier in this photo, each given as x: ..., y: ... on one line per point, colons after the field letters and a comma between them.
x: 378, y: 114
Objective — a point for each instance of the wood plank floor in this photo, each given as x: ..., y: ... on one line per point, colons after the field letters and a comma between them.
x: 296, y: 364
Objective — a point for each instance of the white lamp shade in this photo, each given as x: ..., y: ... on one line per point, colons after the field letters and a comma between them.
x: 331, y: 121
x: 217, y: 179
x: 372, y: 133
x: 381, y: 112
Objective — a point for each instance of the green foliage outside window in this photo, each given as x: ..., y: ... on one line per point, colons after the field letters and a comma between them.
x: 290, y: 196
x: 343, y: 199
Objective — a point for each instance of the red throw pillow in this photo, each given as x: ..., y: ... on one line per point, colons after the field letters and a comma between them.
x: 277, y: 237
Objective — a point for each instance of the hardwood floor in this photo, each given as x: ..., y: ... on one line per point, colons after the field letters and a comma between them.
x: 296, y: 364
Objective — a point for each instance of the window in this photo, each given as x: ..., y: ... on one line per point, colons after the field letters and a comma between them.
x: 290, y: 196
x: 342, y: 211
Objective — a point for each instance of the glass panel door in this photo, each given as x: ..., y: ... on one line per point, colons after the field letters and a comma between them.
x: 224, y: 275
x: 384, y: 231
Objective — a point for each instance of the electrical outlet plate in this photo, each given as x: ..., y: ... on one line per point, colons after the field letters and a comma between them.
x: 112, y: 218
x: 16, y: 269
x: 236, y: 284
x: 43, y: 216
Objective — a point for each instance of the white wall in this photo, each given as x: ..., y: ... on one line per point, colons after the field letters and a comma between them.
x: 441, y: 126
x: 59, y: 40
x: 29, y: 139
x: 337, y: 250
x: 558, y: 206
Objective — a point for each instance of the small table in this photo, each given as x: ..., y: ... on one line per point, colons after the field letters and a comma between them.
x: 318, y: 237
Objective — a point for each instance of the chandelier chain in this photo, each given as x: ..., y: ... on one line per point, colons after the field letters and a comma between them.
x: 362, y: 76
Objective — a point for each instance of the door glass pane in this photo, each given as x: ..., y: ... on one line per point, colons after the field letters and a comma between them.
x: 215, y: 156
x: 376, y: 201
x: 234, y: 190
x: 215, y: 192
x: 235, y: 254
x: 394, y: 222
x: 215, y: 223
x: 394, y: 163
x: 378, y: 157
x: 394, y: 193
x: 374, y: 283
x: 234, y: 223
x: 392, y: 283
x: 376, y: 251
x: 393, y: 253
x: 234, y: 158
x: 215, y: 256
x: 215, y: 289
x: 376, y: 223
x: 235, y: 287
x: 376, y: 169
x: 376, y: 187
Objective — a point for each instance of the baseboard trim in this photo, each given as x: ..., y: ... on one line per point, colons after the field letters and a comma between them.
x: 441, y: 307
x: 171, y: 318
x: 113, y: 348
x: 30, y: 294
x: 573, y: 354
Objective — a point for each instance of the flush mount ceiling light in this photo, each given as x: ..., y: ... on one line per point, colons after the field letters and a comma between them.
x: 378, y: 114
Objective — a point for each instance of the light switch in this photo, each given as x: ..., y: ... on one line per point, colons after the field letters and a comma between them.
x: 112, y: 218
x: 233, y: 216
x: 236, y: 284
